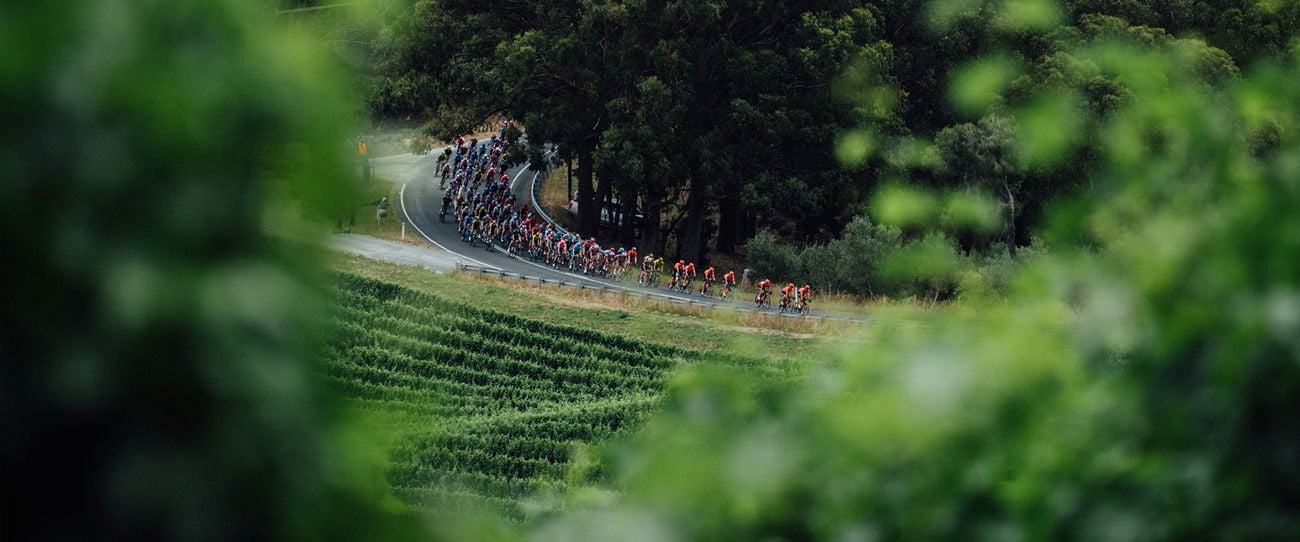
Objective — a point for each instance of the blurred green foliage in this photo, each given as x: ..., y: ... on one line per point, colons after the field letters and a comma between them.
x: 1138, y: 382
x: 158, y: 380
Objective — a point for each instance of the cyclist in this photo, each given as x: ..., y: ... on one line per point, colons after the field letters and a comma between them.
x: 764, y: 288
x: 787, y: 295
x: 677, y: 274
x: 688, y: 273
x: 728, y: 282
x: 805, y: 297
x: 647, y: 266
x: 575, y: 255
x: 709, y: 279
x: 657, y: 270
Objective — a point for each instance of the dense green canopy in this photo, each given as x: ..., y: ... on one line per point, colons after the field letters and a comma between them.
x: 718, y: 119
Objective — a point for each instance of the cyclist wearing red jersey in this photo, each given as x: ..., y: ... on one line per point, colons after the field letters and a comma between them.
x: 677, y: 274
x: 728, y: 282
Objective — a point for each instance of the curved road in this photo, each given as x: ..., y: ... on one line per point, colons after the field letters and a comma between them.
x: 418, y: 204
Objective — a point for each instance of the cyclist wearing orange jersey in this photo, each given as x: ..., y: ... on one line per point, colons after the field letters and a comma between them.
x: 677, y: 273
x: 763, y: 288
x: 805, y: 297
x: 787, y: 295
x: 728, y: 282
x: 709, y: 279
x: 688, y: 273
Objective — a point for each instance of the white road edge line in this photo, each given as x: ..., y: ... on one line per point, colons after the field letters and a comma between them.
x: 513, y: 188
x: 402, y: 197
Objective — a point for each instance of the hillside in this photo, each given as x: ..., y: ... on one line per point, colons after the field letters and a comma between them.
x: 484, y: 409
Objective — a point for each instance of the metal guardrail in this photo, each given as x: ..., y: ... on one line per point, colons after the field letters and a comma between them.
x: 537, y: 206
x: 627, y: 292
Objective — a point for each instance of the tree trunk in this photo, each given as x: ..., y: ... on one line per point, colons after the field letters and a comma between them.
x: 731, y: 220
x: 603, y: 194
x: 650, y: 240
x: 690, y: 246
x: 588, y: 217
x: 627, y: 223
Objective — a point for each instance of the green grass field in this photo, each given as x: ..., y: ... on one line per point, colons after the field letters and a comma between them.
x: 484, y: 409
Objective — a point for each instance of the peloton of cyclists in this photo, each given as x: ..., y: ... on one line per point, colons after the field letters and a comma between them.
x: 479, y: 199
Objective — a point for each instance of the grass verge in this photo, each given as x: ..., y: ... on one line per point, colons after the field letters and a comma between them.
x: 389, y: 228
x: 659, y: 322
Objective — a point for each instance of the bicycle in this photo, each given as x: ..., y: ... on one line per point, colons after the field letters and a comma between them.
x: 761, y: 300
x: 726, y: 291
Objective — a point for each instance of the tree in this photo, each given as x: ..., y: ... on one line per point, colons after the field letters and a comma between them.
x: 982, y: 157
x: 1138, y: 384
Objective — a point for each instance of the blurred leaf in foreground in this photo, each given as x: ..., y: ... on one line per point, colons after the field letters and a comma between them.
x: 1142, y: 386
x: 157, y: 346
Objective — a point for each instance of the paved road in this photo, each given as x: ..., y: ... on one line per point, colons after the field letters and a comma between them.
x: 395, y: 252
x: 418, y: 205
x: 421, y: 199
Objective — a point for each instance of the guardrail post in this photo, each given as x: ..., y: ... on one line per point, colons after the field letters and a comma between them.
x: 480, y: 273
